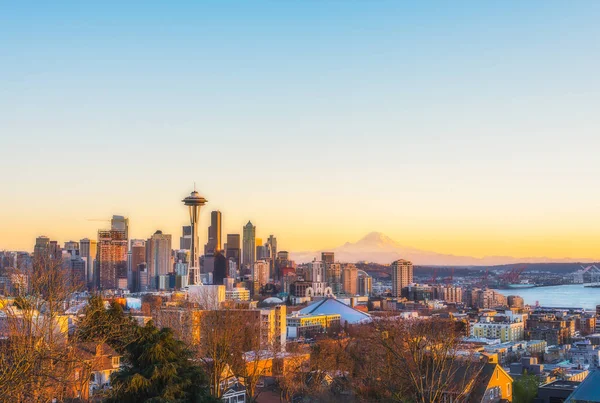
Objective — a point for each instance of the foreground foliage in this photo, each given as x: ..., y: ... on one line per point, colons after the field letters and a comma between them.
x: 525, y: 388
x: 159, y: 369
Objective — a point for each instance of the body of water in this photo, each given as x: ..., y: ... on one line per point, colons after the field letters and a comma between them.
x: 568, y: 296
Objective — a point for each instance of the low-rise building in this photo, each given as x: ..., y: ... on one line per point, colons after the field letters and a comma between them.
x: 98, y: 362
x: 505, y: 331
x: 588, y: 391
x: 585, y: 354
x: 237, y: 294
x: 348, y: 315
x: 307, y: 325
x: 482, y: 382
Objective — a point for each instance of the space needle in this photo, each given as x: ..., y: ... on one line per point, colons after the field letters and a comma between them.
x: 194, y: 201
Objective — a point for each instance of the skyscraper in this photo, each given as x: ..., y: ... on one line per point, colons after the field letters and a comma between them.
x: 333, y: 272
x: 120, y: 223
x: 41, y: 248
x: 136, y: 256
x: 272, y: 252
x: 88, y: 249
x: 402, y: 276
x: 112, y: 259
x: 350, y: 279
x: 261, y: 250
x: 72, y: 248
x: 55, y: 250
x: 260, y: 272
x: 220, y: 268
x: 327, y: 257
x: 77, y: 272
x: 282, y: 260
x: 185, y: 241
x: 194, y: 201
x: 365, y: 284
x: 249, y: 245
x: 46, y: 249
x: 233, y: 251
x: 159, y: 258
x: 214, y: 233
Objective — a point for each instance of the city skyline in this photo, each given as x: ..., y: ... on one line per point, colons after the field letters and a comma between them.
x: 307, y: 255
x: 296, y: 201
x: 464, y: 129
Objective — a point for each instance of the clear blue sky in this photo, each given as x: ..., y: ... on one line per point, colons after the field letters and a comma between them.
x: 468, y: 127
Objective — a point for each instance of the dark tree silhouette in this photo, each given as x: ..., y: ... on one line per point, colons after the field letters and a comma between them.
x: 159, y: 368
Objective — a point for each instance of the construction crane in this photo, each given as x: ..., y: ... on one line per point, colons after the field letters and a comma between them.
x: 513, y: 275
x: 433, y: 276
x: 483, y: 282
x: 449, y: 280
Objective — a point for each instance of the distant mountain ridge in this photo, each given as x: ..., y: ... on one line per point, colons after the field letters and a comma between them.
x: 379, y: 248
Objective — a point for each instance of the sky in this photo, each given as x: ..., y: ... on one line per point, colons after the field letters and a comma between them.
x: 467, y: 127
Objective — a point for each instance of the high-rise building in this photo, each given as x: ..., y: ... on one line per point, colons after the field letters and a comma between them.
x: 221, y: 268
x: 185, y: 241
x: 143, y: 280
x: 261, y: 272
x: 261, y: 250
x: 333, y: 273
x: 282, y: 260
x: 402, y: 276
x: 249, y: 244
x: 365, y: 284
x: 194, y: 201
x: 233, y: 250
x: 41, y: 250
x: 597, y: 318
x: 350, y: 279
x: 135, y: 257
x: 207, y: 265
x: 232, y: 269
x: 272, y: 254
x: 88, y: 249
x: 72, y: 248
x: 214, y: 233
x: 77, y: 267
x: 112, y: 259
x: 120, y: 223
x: 327, y: 257
x: 316, y: 276
x: 159, y: 258
x: 487, y: 299
x: 448, y: 293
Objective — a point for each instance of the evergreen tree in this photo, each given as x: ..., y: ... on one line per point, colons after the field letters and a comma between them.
x: 525, y: 388
x: 158, y: 368
x: 111, y: 326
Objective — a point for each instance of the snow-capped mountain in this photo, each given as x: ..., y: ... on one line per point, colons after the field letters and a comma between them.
x: 379, y: 248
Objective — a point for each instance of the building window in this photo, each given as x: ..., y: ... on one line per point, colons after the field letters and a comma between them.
x: 507, y: 389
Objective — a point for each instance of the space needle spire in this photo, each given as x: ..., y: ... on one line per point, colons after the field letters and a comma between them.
x: 194, y: 201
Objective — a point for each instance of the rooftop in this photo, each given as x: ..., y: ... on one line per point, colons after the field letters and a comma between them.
x: 588, y: 390
x: 332, y: 306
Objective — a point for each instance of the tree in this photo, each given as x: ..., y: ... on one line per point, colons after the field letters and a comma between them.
x: 159, y: 368
x: 36, y: 362
x: 525, y: 388
x: 103, y: 325
x: 410, y: 360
